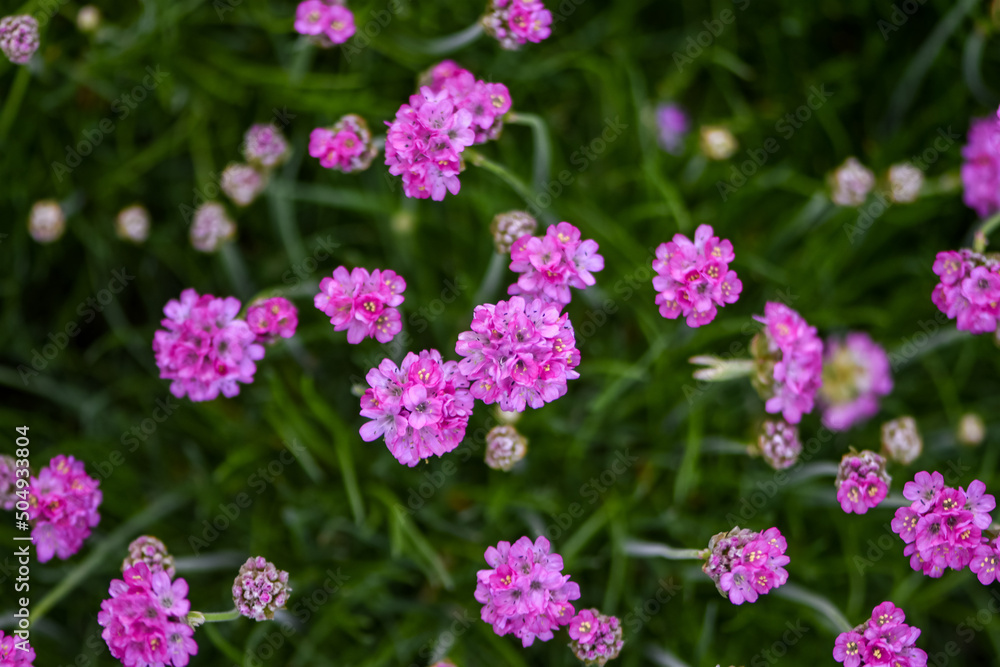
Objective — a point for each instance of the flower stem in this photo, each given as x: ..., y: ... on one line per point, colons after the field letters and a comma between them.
x: 446, y: 44
x: 543, y: 152
x: 721, y: 370
x: 988, y: 227
x: 650, y: 549
x: 816, y: 602
x: 478, y: 159
x: 196, y: 618
x: 494, y: 273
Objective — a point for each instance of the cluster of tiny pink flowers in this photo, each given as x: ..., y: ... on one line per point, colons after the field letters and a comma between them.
x: 672, y: 126
x: 8, y: 482
x: 745, y: 564
x: 346, y: 147
x: 856, y: 374
x: 525, y: 593
x: 789, y: 358
x: 514, y: 23
x: 260, y: 589
x: 15, y: 652
x: 272, y: 318
x: 882, y: 641
x: 851, y: 183
x: 985, y: 559
x: 19, y: 37
x: 62, y: 506
x: 693, y: 279
x: 144, y: 620
x: 519, y: 353
x: 327, y: 22
x: 242, y: 183
x: 451, y: 111
x: 204, y: 348
x: 211, y: 227
x: 778, y: 444
x: 422, y: 407
x: 943, y: 526
x: 862, y: 482
x: 363, y: 303
x: 968, y: 290
x: 504, y: 447
x: 265, y: 146
x: 47, y: 221
x: 151, y: 551
x: 596, y: 637
x: 549, y: 265
x: 981, y: 167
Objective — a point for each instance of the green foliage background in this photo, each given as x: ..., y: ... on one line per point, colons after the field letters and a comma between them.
x: 408, y: 577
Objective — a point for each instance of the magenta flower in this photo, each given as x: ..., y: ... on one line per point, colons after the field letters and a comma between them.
x: 264, y: 145
x: 693, y: 279
x: 549, y: 265
x: 15, y: 652
x: 144, y: 619
x: 968, y: 290
x: 62, y: 507
x: 346, y: 147
x: 981, y: 167
x: 849, y: 648
x: 312, y: 17
x: 260, y: 589
x: 856, y: 375
x: 422, y: 408
x: 203, y: 348
x: 363, y: 303
x: 789, y: 359
x: 451, y: 111
x: 672, y: 126
x: 778, y: 443
x: 242, y: 183
x: 745, y: 564
x: 985, y: 559
x: 596, y: 638
x: 19, y: 37
x: 525, y: 593
x: 514, y: 23
x: 151, y: 551
x: 519, y: 354
x: 882, y: 641
x: 327, y: 22
x: 862, y: 482
x: 272, y: 318
x: 341, y: 27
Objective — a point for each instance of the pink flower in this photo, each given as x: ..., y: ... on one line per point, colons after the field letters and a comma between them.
x: 203, y: 348
x: 242, y: 183
x: 363, y: 303
x: 549, y: 265
x: 856, y: 375
x: 260, y: 589
x: 19, y: 37
x: 525, y: 593
x: 346, y: 147
x: 882, y: 641
x: 211, y: 227
x: 272, y: 318
x: 514, y: 23
x: 518, y: 354
x: 151, y: 551
x: 11, y: 655
x: 744, y: 564
x: 144, y: 619
x: 312, y: 17
x: 778, y: 443
x: 596, y: 638
x: 849, y: 648
x: 968, y: 290
x: 693, y: 279
x: 789, y: 359
x: 341, y: 26
x: 981, y: 168
x: 984, y: 561
x: 851, y: 182
x: 62, y: 506
x: 672, y: 125
x: 862, y: 482
x: 265, y: 146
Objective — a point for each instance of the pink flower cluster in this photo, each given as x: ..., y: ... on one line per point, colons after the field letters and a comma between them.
x: 943, y: 526
x: 346, y: 147
x: 264, y: 145
x: 19, y: 37
x: 363, y: 303
x: 862, y: 482
x: 968, y: 290
x: 693, y: 279
x: 525, y: 592
x: 596, y: 638
x: 151, y: 551
x: 514, y: 23
x: 144, y: 620
x: 260, y: 589
x: 882, y: 641
x: 985, y: 559
x: 856, y: 374
x: 549, y: 265
x: 422, y: 407
x: 453, y: 110
x: 789, y: 357
x: 519, y: 354
x: 204, y: 348
x: 273, y: 318
x: 981, y: 168
x: 328, y: 22
x: 745, y: 564
x: 11, y: 655
x: 62, y: 506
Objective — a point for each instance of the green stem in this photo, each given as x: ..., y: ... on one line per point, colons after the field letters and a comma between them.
x: 479, y: 160
x: 650, y: 549
x: 446, y: 44
x: 13, y: 103
x: 494, y: 272
x: 220, y: 616
x: 987, y: 227
x: 816, y: 602
x: 721, y: 370
x: 543, y: 151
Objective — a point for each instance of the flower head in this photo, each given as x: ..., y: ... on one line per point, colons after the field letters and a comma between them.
x: 596, y: 638
x: 693, y: 279
x: 211, y: 227
x: 549, y: 265
x: 884, y: 640
x: 203, y: 348
x: 672, y: 125
x: 856, y: 375
x: 151, y: 551
x: 505, y: 447
x: 789, y: 362
x: 15, y: 652
x: 272, y: 318
x: 901, y: 441
x: 509, y: 227
x: 62, y: 507
x: 514, y: 23
x: 327, y: 22
x: 524, y: 592
x: 981, y: 167
x: 968, y: 289
x: 519, y: 353
x: 745, y: 564
x: 363, y: 303
x: 19, y: 37
x: 346, y: 147
x: 905, y: 182
x: 717, y: 142
x: 265, y: 146
x: 986, y: 560
x: 851, y: 182
x: 242, y: 183
x: 132, y: 223
x: 260, y: 589
x: 862, y: 482
x: 778, y: 443
x: 971, y: 429
x: 46, y: 222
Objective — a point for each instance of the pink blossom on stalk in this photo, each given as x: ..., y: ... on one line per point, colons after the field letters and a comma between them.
x: 341, y: 27
x: 985, y: 560
x: 524, y: 592
x: 203, y: 348
x: 260, y: 589
x: 549, y: 265
x: 19, y: 37
x: 144, y: 619
x: 519, y: 353
x: 856, y: 374
x: 272, y: 318
x: 514, y: 23
x: 745, y: 564
x: 693, y: 278
x: 968, y: 290
x: 11, y: 655
x: 422, y: 407
x: 981, y: 167
x: 862, y: 482
x: 62, y: 507
x: 363, y: 303
x: 265, y: 145
x: 346, y: 147
x: 884, y: 640
x: 327, y: 22
x: 312, y: 17
x: 242, y: 183
x: 596, y: 637
x: 789, y: 362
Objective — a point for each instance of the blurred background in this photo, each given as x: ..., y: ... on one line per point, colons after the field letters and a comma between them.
x: 383, y: 558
